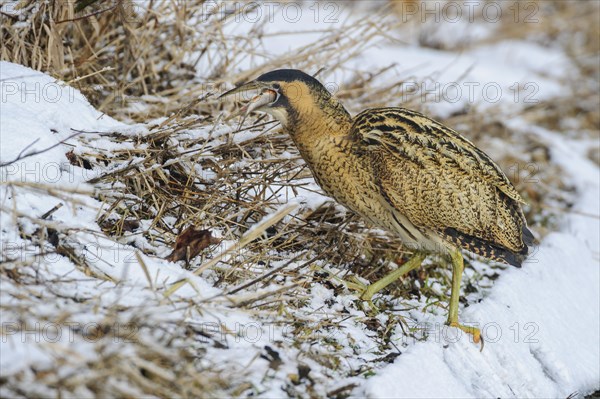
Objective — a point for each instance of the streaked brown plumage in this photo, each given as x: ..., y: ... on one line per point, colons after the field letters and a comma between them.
x: 401, y: 170
x: 443, y: 184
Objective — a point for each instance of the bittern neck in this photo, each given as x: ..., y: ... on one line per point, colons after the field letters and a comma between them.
x: 310, y: 122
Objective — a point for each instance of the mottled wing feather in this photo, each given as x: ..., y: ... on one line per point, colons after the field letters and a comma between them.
x: 402, y: 126
x: 439, y: 180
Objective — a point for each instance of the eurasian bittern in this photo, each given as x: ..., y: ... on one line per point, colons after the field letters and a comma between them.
x: 402, y: 171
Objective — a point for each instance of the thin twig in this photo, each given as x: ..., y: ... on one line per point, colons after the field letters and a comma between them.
x: 31, y: 154
x: 91, y: 14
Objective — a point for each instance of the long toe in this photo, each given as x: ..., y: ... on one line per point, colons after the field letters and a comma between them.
x: 473, y: 331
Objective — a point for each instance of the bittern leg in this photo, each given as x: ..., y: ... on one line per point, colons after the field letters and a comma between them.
x: 457, y: 271
x: 369, y: 291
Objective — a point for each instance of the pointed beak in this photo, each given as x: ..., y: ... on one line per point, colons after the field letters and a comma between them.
x: 256, y: 102
x: 253, y: 85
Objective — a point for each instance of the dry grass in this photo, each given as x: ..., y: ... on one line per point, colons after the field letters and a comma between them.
x: 118, y: 57
x: 188, y: 170
x: 114, y: 52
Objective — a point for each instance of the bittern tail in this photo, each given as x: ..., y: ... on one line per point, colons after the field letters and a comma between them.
x: 490, y: 250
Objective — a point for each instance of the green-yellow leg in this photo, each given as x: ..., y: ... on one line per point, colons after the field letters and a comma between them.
x: 368, y: 292
x: 457, y: 271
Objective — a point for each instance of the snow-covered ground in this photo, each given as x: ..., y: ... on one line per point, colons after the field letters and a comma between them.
x: 541, y: 322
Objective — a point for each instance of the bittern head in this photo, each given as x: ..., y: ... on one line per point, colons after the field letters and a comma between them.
x: 286, y: 94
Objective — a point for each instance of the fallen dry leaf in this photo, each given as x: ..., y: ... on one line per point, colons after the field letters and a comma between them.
x: 77, y: 160
x: 190, y: 243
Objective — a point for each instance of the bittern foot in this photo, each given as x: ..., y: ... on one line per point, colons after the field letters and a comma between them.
x: 475, y: 332
x: 365, y: 292
x: 457, y: 269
